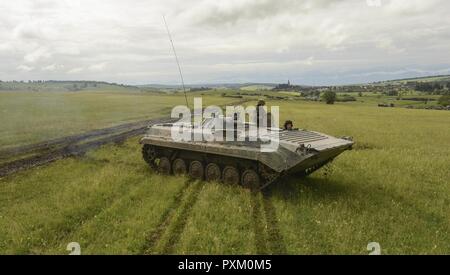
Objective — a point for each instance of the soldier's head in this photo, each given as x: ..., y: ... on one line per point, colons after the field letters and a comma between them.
x: 288, y: 125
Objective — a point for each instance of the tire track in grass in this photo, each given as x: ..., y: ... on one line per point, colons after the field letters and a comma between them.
x: 138, y: 193
x: 166, y: 218
x: 275, y: 238
x: 28, y: 156
x: 179, y: 223
x: 72, y: 221
x: 51, y: 233
x: 257, y: 221
x: 114, y: 204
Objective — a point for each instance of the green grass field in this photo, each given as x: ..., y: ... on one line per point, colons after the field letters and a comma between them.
x: 372, y: 99
x: 393, y: 188
x: 28, y: 117
x: 418, y: 79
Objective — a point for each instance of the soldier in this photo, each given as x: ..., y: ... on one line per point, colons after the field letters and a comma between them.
x: 288, y: 125
x: 261, y: 102
x: 260, y: 113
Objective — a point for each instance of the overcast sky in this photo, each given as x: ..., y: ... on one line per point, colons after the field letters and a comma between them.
x: 308, y: 42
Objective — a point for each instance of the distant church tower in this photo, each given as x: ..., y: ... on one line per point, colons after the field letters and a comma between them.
x: 289, y: 83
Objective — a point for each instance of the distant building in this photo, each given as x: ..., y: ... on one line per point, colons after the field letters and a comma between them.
x: 286, y: 86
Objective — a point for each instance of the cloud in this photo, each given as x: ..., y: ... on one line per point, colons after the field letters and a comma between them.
x: 309, y: 61
x: 411, y: 7
x: 27, y: 31
x: 24, y: 68
x: 75, y: 70
x: 52, y: 68
x: 98, y: 67
x: 219, y: 13
x: 388, y: 45
x: 309, y: 41
x: 37, y: 55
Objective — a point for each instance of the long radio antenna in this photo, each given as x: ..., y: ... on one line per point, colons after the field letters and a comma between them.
x: 176, y: 58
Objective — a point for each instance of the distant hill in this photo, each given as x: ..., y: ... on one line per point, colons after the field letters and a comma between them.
x: 58, y: 86
x: 436, y: 78
x: 80, y: 85
x: 211, y: 85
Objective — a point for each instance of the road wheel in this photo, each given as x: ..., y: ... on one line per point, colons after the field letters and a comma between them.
x: 212, y: 172
x: 149, y: 155
x: 250, y: 179
x: 179, y: 167
x: 196, y: 170
x: 164, y: 166
x: 230, y: 175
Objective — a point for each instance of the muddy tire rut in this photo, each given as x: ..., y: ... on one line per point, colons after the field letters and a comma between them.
x: 28, y: 156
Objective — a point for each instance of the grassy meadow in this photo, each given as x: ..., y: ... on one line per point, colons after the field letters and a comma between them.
x: 392, y: 188
x: 29, y: 117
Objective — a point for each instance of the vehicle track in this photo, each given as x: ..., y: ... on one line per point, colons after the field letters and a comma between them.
x: 28, y: 156
x: 166, y: 218
x: 70, y: 146
x: 275, y: 239
x: 48, y: 144
x: 73, y: 221
x: 258, y: 224
x: 268, y: 238
x: 132, y: 192
x: 180, y: 222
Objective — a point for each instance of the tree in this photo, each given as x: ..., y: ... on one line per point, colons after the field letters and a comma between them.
x: 360, y: 94
x: 444, y: 100
x: 391, y: 93
x: 329, y: 97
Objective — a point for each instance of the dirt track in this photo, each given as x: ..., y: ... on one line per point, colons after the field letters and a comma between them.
x: 27, y: 156
x: 24, y: 157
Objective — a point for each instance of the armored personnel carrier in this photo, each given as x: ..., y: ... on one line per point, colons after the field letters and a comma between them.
x: 300, y: 152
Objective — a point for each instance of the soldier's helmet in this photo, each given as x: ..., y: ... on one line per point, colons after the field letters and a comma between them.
x: 288, y: 122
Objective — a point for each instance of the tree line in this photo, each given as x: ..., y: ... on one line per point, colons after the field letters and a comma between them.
x: 435, y: 88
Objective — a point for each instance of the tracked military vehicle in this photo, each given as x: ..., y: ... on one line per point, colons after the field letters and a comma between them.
x: 300, y: 152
